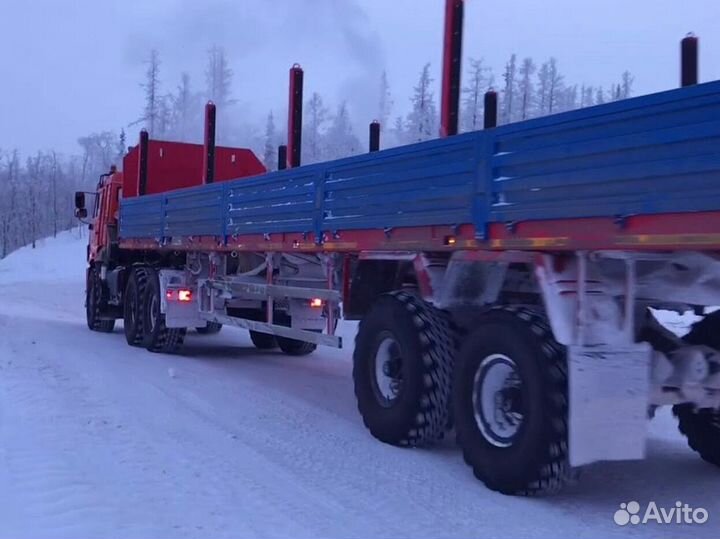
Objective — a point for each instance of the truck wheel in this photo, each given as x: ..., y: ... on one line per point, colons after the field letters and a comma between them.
x: 702, y: 430
x: 132, y: 313
x: 510, y: 403
x: 292, y: 347
x: 158, y: 337
x: 402, y: 369
x: 701, y: 427
x: 212, y: 328
x: 93, y: 304
x: 263, y: 341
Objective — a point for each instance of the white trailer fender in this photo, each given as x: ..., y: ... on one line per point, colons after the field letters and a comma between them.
x: 608, y: 372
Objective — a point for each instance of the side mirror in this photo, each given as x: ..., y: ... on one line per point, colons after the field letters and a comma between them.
x: 81, y: 213
x: 80, y: 202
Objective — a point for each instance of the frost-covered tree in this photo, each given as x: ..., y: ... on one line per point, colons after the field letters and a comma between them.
x: 543, y: 90
x: 316, y: 116
x: 626, y: 85
x: 9, y: 221
x: 341, y: 141
x: 550, y: 88
x: 185, y: 112
x: 153, y: 97
x: 471, y: 118
x: 398, y: 134
x: 99, y: 153
x: 526, y: 88
x: 568, y: 98
x: 386, y: 103
x: 218, y: 78
x: 270, y: 147
x: 422, y: 122
x: 121, y: 147
x: 599, y: 95
x: 555, y: 88
x: 509, y: 90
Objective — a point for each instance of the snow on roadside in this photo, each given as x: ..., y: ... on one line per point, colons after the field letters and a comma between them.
x: 53, y: 259
x: 98, y: 439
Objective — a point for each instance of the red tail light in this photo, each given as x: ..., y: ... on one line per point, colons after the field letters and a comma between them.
x: 316, y: 303
x: 185, y: 295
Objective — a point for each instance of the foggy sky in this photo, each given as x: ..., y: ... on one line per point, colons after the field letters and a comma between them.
x: 71, y: 67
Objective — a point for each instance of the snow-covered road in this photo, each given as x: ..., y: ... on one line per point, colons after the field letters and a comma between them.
x: 98, y: 439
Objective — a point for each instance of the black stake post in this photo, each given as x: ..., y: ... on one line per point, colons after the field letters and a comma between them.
x: 209, y: 154
x: 143, y: 162
x: 375, y: 136
x: 282, y: 157
x: 295, y: 113
x: 689, y: 60
x: 491, y: 109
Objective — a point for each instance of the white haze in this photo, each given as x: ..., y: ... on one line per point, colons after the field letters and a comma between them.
x: 73, y: 67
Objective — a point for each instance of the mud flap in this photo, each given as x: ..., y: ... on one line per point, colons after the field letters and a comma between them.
x: 609, y: 391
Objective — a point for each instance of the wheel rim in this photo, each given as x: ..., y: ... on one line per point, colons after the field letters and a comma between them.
x: 387, y: 370
x: 154, y: 311
x: 497, y: 400
x: 131, y: 308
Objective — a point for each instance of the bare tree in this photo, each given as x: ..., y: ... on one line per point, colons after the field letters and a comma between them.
x: 626, y: 85
x: 270, y: 150
x: 386, y: 103
x: 527, y: 70
x: 316, y: 116
x: 509, y: 77
x: 555, y: 87
x: 473, y: 101
x: 423, y: 120
x: 153, y: 98
x: 341, y: 141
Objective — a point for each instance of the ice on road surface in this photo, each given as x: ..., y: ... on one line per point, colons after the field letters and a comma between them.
x: 98, y: 439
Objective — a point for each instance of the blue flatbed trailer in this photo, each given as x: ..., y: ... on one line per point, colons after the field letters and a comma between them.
x: 639, y: 173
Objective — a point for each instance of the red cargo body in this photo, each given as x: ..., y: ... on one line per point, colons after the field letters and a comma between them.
x: 176, y: 165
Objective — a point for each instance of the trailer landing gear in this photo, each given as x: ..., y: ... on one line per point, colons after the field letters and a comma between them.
x: 510, y: 403
x: 402, y: 370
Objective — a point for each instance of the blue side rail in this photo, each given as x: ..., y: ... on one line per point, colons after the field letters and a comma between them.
x: 651, y: 154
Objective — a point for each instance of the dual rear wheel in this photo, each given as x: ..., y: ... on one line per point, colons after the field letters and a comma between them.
x: 504, y: 389
x: 143, y: 320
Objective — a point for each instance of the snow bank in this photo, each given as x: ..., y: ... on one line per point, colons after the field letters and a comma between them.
x: 54, y: 259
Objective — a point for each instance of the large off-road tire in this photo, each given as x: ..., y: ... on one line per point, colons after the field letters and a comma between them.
x: 402, y: 370
x: 263, y: 341
x: 212, y: 328
x: 701, y: 427
x: 510, y: 403
x: 94, y: 301
x: 132, y: 306
x: 702, y: 430
x: 292, y: 347
x: 158, y: 337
